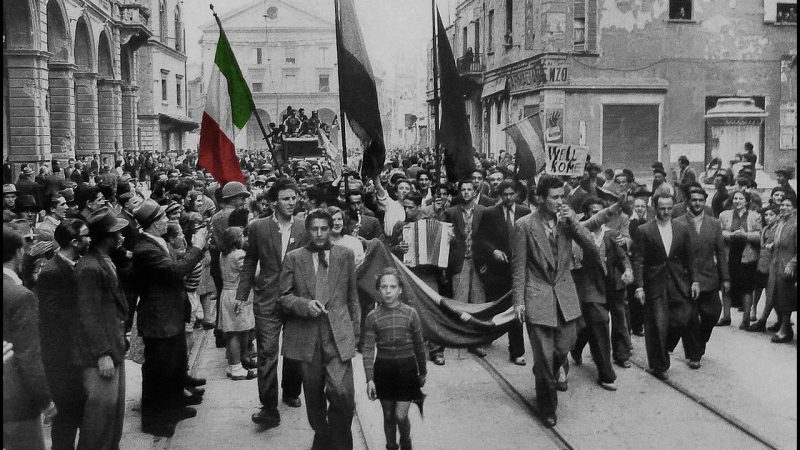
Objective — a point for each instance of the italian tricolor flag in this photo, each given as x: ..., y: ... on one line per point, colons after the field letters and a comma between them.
x: 229, y: 105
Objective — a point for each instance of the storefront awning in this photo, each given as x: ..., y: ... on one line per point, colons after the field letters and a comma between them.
x: 183, y: 123
x: 495, y: 87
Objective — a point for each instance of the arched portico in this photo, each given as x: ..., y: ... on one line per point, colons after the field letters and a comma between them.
x: 86, y: 115
x: 61, y: 85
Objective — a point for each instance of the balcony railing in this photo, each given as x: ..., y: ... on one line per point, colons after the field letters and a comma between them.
x: 470, y: 65
x: 134, y: 12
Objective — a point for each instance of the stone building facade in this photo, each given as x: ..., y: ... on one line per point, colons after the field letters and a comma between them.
x: 70, y: 84
x: 632, y: 80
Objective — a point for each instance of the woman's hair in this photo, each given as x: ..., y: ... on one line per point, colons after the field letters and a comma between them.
x: 231, y: 240
x: 386, y: 272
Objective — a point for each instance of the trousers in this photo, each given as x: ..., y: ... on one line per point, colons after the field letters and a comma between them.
x: 595, y: 333
x: 163, y: 371
x: 620, y: 328
x: 23, y: 435
x: 665, y: 318
x: 704, y: 315
x: 550, y: 346
x: 104, y: 413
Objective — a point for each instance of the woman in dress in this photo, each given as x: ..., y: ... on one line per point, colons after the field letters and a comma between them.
x: 236, y: 318
x: 770, y: 215
x: 340, y: 237
x: 782, y: 283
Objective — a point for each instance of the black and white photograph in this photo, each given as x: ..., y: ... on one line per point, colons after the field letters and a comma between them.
x: 398, y: 224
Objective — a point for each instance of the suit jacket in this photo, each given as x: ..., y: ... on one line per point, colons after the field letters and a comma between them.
x: 653, y: 268
x: 163, y: 304
x: 709, y: 255
x: 542, y: 283
x: 591, y: 280
x: 718, y: 201
x: 102, y: 310
x: 492, y: 234
x: 458, y: 244
x: 752, y: 246
x: 681, y: 208
x: 370, y: 228
x: 25, y: 391
x: 487, y: 201
x: 298, y: 288
x: 57, y: 290
x: 264, y: 247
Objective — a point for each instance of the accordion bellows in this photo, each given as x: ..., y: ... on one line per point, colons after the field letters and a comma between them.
x: 428, y: 243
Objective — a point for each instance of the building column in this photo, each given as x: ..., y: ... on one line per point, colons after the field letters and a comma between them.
x: 130, y: 96
x: 62, y: 110
x: 109, y: 107
x: 87, y: 133
x: 29, y: 120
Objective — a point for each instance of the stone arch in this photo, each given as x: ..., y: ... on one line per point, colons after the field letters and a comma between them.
x: 105, y: 59
x: 326, y: 115
x: 255, y: 139
x: 20, y: 33
x: 84, y: 49
x: 58, y: 38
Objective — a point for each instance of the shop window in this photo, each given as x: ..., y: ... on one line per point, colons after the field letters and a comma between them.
x: 680, y: 9
x: 258, y: 87
x: 786, y: 14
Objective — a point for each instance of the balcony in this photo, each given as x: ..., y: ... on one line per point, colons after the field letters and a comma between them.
x: 470, y: 66
x: 134, y: 23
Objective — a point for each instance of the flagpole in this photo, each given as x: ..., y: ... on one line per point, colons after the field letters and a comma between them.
x: 435, y: 94
x: 341, y: 108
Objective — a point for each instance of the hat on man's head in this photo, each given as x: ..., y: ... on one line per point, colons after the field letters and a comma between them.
x: 148, y: 212
x: 172, y: 207
x: 660, y: 170
x: 27, y: 203
x: 786, y: 171
x: 68, y: 194
x: 27, y: 170
x: 683, y: 159
x: 9, y: 189
x: 123, y: 198
x: 658, y: 165
x: 641, y: 191
x: 234, y: 189
x: 261, y: 179
x: 105, y: 221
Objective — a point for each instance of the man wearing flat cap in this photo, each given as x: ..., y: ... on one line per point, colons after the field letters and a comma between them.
x: 9, y: 202
x: 163, y: 309
x: 102, y: 310
x: 783, y: 175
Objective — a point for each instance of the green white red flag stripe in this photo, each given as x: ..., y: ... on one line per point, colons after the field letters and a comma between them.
x: 229, y: 105
x: 527, y: 137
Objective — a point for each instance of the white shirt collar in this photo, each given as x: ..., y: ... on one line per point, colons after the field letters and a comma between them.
x: 13, y: 275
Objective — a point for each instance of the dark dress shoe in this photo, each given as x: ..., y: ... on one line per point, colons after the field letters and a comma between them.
x: 477, y: 351
x: 724, y: 322
x: 519, y: 360
x: 624, y: 363
x: 549, y: 421
x: 293, y: 402
x: 562, y: 386
x: 638, y: 332
x: 577, y: 357
x: 782, y: 339
x: 192, y: 400
x: 660, y: 374
x: 219, y: 338
x: 184, y: 413
x: 757, y: 326
x: 263, y: 418
x: 438, y: 360
x: 248, y: 363
x: 775, y: 327
x: 694, y: 365
x: 189, y: 380
x: 158, y: 428
x: 196, y: 390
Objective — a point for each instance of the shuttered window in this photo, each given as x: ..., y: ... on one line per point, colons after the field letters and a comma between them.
x: 584, y: 25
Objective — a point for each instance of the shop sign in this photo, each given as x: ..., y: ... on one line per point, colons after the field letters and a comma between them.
x: 539, y: 73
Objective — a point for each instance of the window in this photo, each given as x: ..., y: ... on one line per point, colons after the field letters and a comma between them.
x: 680, y: 9
x: 259, y: 56
x: 464, y: 38
x: 584, y: 25
x: 162, y: 20
x: 490, y: 32
x: 499, y: 113
x: 258, y: 87
x: 290, y: 82
x: 579, y: 31
x: 786, y: 13
x: 164, y: 97
x: 324, y: 83
x: 323, y: 55
x: 291, y: 54
x: 178, y: 30
x: 507, y: 40
x: 179, y: 90
x: 788, y: 126
x: 477, y: 46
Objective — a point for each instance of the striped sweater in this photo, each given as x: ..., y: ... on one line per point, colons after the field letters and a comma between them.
x: 396, y: 333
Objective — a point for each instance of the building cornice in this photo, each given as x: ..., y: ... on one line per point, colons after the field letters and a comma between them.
x: 156, y: 44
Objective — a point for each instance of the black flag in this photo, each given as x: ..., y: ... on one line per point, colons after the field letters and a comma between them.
x: 454, y: 129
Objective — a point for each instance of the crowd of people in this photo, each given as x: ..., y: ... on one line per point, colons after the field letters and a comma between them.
x: 105, y: 263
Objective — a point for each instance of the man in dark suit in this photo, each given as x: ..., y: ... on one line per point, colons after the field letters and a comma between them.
x: 25, y: 387
x: 163, y: 310
x: 123, y: 258
x: 26, y: 186
x: 493, y: 256
x: 102, y: 310
x: 641, y: 213
x: 720, y: 194
x: 368, y: 226
x: 57, y: 289
x: 710, y: 259
x: 482, y: 198
x: 665, y: 283
x: 269, y: 240
x: 318, y: 285
x: 545, y: 297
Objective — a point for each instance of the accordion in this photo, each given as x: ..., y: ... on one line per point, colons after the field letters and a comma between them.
x: 428, y: 243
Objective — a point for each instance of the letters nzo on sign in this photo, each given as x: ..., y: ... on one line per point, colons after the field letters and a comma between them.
x: 564, y: 159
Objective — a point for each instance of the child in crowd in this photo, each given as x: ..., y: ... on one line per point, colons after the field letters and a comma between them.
x: 236, y: 318
x: 396, y: 374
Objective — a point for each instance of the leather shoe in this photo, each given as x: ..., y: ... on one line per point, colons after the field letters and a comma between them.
x: 549, y: 421
x: 158, y: 429
x: 189, y: 380
x: 438, y: 360
x: 757, y: 326
x: 624, y: 363
x: 248, y: 363
x: 577, y: 357
x: 660, y: 374
x: 519, y: 360
x: 184, y: 413
x: 192, y: 400
x: 694, y: 365
x: 782, y: 339
x: 724, y: 322
x: 608, y: 386
x: 196, y: 390
x: 477, y: 351
x: 775, y: 327
x: 265, y: 419
x: 638, y: 332
x: 293, y: 402
x: 562, y: 386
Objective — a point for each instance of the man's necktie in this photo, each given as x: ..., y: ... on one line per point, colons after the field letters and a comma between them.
x: 323, y: 263
x: 510, y: 223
